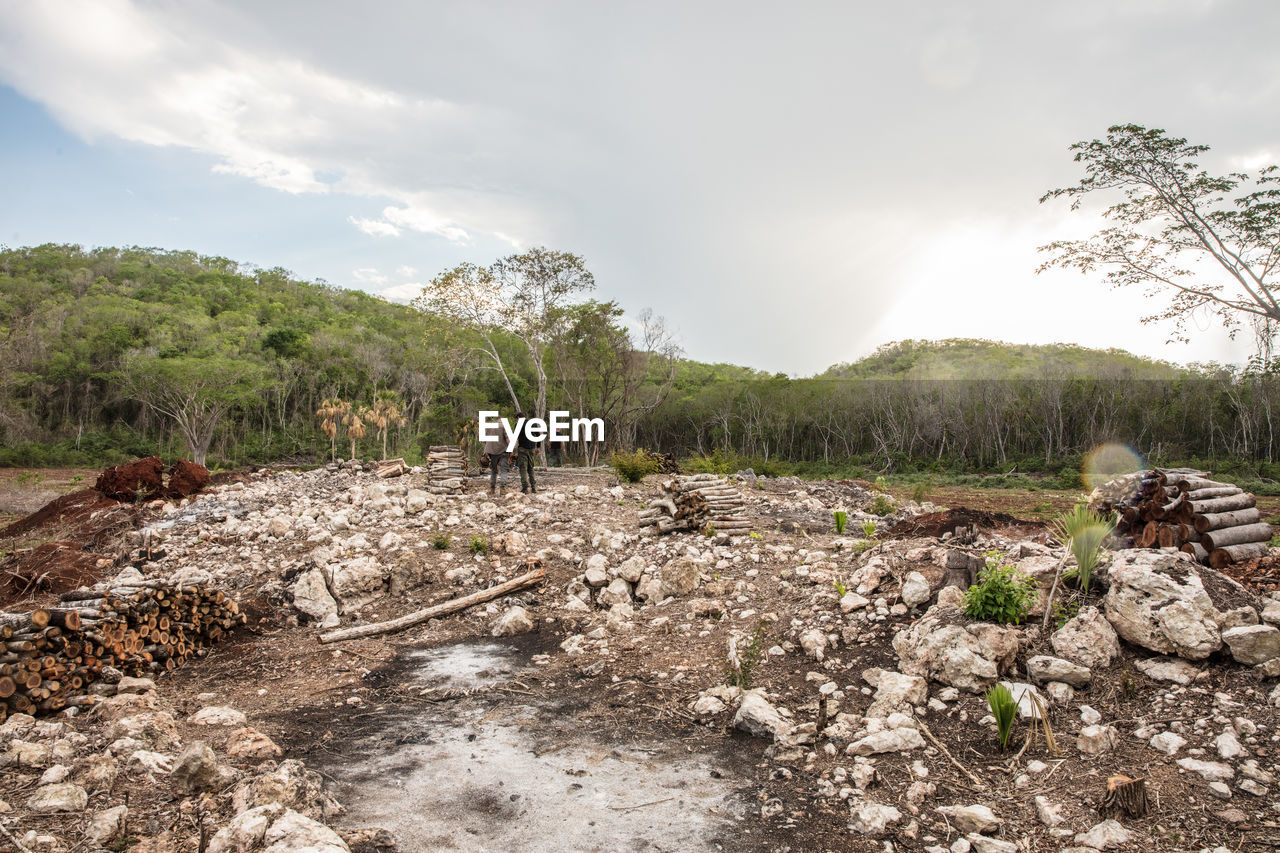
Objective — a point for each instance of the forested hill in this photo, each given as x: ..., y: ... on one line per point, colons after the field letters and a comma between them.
x: 966, y: 358
x: 111, y: 353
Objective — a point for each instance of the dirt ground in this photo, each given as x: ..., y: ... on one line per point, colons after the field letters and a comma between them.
x: 25, y: 490
x: 605, y: 723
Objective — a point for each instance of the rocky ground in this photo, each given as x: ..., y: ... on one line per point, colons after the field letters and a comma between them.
x: 792, y: 689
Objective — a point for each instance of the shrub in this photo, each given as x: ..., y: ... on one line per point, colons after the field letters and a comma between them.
x: 842, y: 519
x: 634, y: 466
x: 920, y: 492
x: 1001, y: 595
x: 869, y: 530
x: 1004, y: 709
x: 743, y: 658
x: 441, y: 541
x: 479, y: 545
x: 881, y: 504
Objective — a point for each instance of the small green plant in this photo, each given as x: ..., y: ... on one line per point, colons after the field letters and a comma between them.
x: 30, y: 478
x: 634, y: 466
x: 754, y: 535
x: 1065, y: 611
x: 1043, y: 508
x: 868, y: 530
x: 1004, y: 709
x: 479, y: 545
x: 920, y: 492
x: 744, y: 658
x: 710, y: 531
x: 1083, y: 532
x: 441, y: 541
x: 881, y: 504
x: 1002, y: 593
x: 77, y: 479
x: 841, y: 589
x: 881, y: 484
x: 842, y: 519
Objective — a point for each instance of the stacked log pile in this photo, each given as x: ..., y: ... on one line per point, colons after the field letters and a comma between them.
x: 696, y: 502
x: 53, y: 658
x: 1217, y: 523
x: 446, y: 470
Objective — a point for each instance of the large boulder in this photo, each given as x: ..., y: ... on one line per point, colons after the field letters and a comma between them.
x: 290, y: 785
x: 1253, y: 644
x: 943, y: 646
x: 1169, y: 604
x: 756, y: 716
x: 358, y: 582
x: 1088, y: 639
x: 311, y: 597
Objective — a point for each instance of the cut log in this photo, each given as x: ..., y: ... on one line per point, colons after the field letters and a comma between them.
x: 1219, y: 520
x: 1196, y: 550
x: 419, y: 616
x: 1246, y: 533
x: 1227, y: 504
x: 1230, y: 555
x: 1150, y: 533
x: 1124, y: 795
x: 1215, y: 492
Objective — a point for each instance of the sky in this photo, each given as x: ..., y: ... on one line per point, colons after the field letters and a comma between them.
x: 790, y: 185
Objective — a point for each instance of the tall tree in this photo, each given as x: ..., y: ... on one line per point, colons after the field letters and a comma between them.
x: 195, y: 393
x: 1209, y: 241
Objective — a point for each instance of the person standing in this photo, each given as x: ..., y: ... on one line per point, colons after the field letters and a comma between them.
x: 526, y: 448
x: 498, y: 460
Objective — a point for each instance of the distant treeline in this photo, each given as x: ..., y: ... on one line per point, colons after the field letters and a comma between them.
x: 110, y: 353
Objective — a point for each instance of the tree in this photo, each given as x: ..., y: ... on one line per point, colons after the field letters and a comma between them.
x: 331, y: 412
x: 385, y: 412
x: 521, y: 295
x: 355, y: 427
x: 1210, y: 241
x: 194, y: 392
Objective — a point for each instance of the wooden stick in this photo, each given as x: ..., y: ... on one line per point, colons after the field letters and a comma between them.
x: 419, y: 616
x: 974, y: 779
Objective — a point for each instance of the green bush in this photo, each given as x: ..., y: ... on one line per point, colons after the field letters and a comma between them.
x: 881, y: 505
x: 1001, y: 595
x: 842, y: 519
x: 634, y: 466
x: 869, y: 530
x: 479, y: 545
x: 441, y: 541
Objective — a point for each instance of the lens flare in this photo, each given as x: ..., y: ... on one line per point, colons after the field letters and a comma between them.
x: 1108, y: 461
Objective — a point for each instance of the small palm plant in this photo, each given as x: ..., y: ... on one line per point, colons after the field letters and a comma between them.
x: 842, y: 519
x: 1004, y: 709
x: 1083, y: 531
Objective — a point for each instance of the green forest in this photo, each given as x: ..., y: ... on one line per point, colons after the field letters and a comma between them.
x: 109, y: 353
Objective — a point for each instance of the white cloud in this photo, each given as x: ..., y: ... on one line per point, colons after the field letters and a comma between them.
x: 375, y: 227
x: 406, y: 292
x: 369, y: 275
x: 117, y: 68
x: 406, y: 271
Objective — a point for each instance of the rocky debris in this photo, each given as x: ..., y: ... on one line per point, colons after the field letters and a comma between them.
x: 106, y: 826
x: 312, y: 597
x: 757, y: 717
x: 1095, y: 740
x: 1253, y: 644
x: 1043, y: 668
x: 897, y: 692
x: 291, y: 785
x: 1108, y: 835
x: 1049, y: 812
x: 1210, y: 771
x: 1168, y: 669
x: 1088, y: 639
x: 249, y: 743
x: 975, y: 818
x: 515, y: 620
x: 916, y: 590
x: 1167, y: 742
x: 872, y: 819
x: 941, y: 647
x: 276, y: 829
x: 197, y: 769
x: 680, y: 577
x: 1160, y: 601
x: 58, y: 797
x: 218, y: 715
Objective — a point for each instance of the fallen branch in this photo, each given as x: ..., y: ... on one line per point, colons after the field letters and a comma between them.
x: 419, y: 616
x: 974, y: 779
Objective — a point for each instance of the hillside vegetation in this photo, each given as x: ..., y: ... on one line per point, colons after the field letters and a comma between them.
x: 111, y: 353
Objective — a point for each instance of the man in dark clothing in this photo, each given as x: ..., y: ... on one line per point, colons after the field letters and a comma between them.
x: 496, y: 459
x: 525, y: 451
